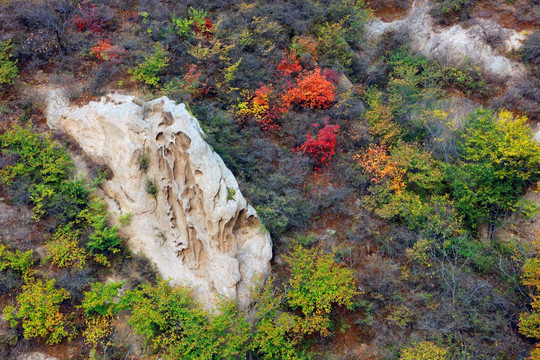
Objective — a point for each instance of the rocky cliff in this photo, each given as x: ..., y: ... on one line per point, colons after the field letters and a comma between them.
x: 193, y: 221
x: 457, y: 44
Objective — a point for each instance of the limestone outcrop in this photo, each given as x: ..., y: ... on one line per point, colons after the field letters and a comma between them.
x: 195, y: 226
x: 456, y: 44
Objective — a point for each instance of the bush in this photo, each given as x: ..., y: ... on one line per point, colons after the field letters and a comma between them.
x: 274, y: 337
x: 149, y: 71
x: 424, y: 350
x: 18, y: 261
x: 38, y: 308
x: 312, y: 90
x: 175, y: 325
x: 323, y: 147
x: 333, y: 47
x: 317, y: 283
x: 279, y: 197
x: 63, y: 248
x: 196, y: 23
x: 103, y: 240
x: 448, y: 12
x: 75, y: 282
x: 52, y: 18
x: 530, y: 52
x: 48, y: 167
x: 102, y: 299
x: 380, y: 119
x: 187, y: 88
x: 8, y: 68
x: 498, y: 160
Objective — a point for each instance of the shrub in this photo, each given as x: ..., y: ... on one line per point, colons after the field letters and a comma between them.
x: 529, y: 322
x: 274, y: 336
x: 317, y: 282
x: 188, y: 88
x: 98, y: 334
x: 102, y: 299
x: 21, y: 262
x: 151, y: 188
x: 424, y: 350
x: 449, y: 11
x: 89, y: 19
x: 174, y: 324
x: 530, y: 52
x: 103, y: 50
x: 333, y: 47
x: 498, y: 160
x: 290, y: 64
x: 48, y: 168
x: 149, y: 71
x: 39, y: 310
x: 323, y: 147
x: 8, y: 68
x: 63, y: 248
x: 305, y: 48
x: 258, y: 107
x: 52, y: 18
x: 312, y: 90
x: 38, y: 158
x: 378, y: 164
x: 380, y: 119
x: 197, y: 23
x: 103, y: 240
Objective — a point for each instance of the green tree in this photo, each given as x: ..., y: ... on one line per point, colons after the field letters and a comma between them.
x: 498, y: 159
x: 274, y: 330
x: 317, y: 282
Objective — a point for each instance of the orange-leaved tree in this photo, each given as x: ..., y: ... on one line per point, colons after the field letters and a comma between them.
x: 312, y: 90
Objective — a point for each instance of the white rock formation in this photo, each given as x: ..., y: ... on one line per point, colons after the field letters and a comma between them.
x: 455, y: 44
x: 198, y: 229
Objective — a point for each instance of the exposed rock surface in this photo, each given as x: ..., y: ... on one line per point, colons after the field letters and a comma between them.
x: 457, y: 44
x: 36, y: 356
x: 198, y: 228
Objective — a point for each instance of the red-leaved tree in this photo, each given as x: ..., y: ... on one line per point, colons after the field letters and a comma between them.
x: 323, y: 147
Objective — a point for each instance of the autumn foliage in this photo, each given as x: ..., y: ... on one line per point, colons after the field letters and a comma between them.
x: 89, y: 20
x: 323, y: 147
x: 192, y: 82
x: 103, y: 50
x: 204, y: 27
x: 259, y: 108
x: 378, y: 163
x: 290, y: 64
x: 312, y: 90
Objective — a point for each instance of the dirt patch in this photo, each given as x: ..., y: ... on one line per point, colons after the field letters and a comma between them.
x: 390, y: 10
x: 520, y: 15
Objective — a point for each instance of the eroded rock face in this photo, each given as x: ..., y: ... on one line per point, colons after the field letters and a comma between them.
x: 457, y: 44
x: 198, y: 228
